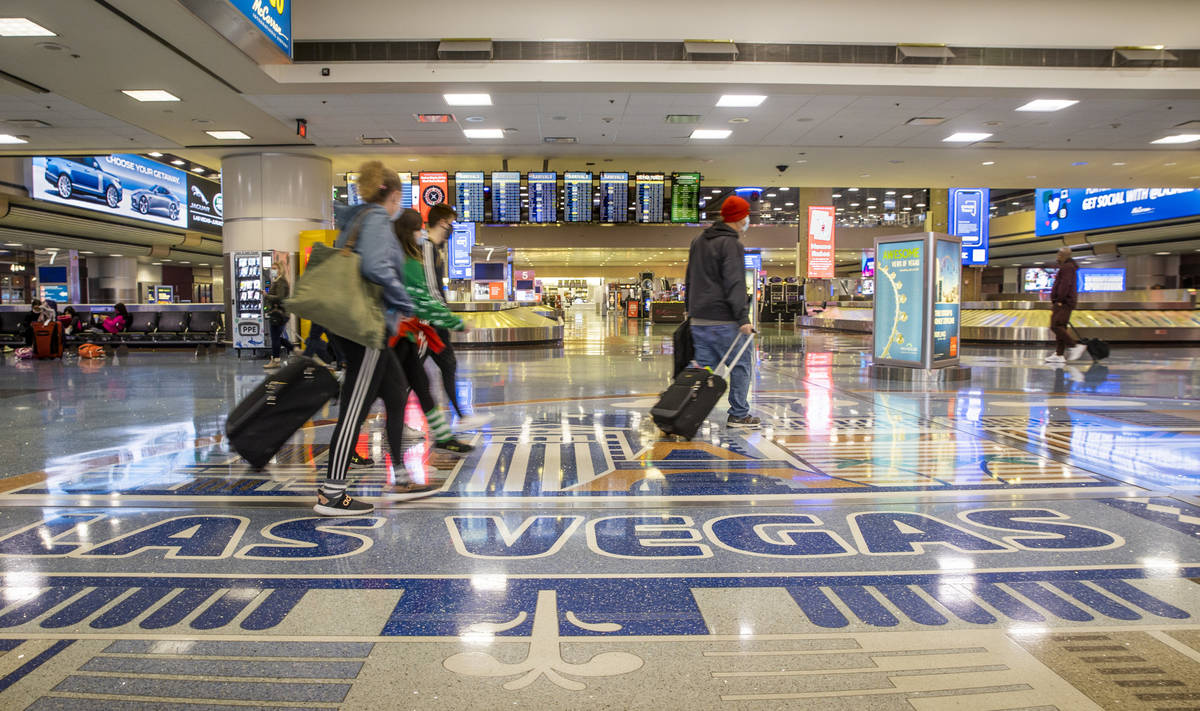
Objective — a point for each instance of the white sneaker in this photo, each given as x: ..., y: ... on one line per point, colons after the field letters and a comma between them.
x: 472, y: 422
x: 1076, y: 352
x: 1055, y: 359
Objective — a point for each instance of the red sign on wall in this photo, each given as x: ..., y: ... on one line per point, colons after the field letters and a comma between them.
x: 434, y: 188
x: 820, y: 242
x: 496, y: 290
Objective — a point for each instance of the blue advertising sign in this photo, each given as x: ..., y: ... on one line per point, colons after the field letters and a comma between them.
x: 752, y: 261
x: 1062, y: 210
x: 462, y: 239
x: 1093, y: 280
x: 946, y: 301
x: 272, y: 17
x: 899, y: 301
x: 122, y: 185
x: 969, y: 221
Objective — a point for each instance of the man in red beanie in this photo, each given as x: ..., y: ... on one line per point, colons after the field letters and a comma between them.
x: 716, y: 303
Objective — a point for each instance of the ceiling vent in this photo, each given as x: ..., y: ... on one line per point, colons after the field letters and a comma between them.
x: 683, y: 118
x: 923, y: 53
x: 925, y: 121
x: 560, y: 139
x: 27, y: 123
x: 1141, y: 57
x: 475, y: 49
x: 718, y: 50
x: 376, y: 141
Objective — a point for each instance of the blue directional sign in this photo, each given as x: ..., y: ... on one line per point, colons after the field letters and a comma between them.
x: 969, y: 221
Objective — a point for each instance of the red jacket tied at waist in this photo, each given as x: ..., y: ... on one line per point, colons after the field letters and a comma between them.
x: 417, y: 331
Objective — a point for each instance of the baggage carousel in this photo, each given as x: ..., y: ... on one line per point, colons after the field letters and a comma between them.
x: 503, y: 324
x: 1027, y: 321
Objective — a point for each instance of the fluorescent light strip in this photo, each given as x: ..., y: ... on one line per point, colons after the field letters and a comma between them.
x: 711, y: 133
x: 483, y: 132
x: 22, y: 27
x: 5, y: 138
x: 740, y: 100
x: 1043, y: 105
x: 228, y: 135
x: 966, y: 137
x: 468, y: 99
x: 150, y: 95
x: 1179, y: 138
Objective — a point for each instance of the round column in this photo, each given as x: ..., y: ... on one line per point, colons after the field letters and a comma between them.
x: 116, y: 280
x: 271, y: 197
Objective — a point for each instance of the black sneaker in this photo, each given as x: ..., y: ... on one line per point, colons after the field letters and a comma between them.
x: 747, y: 421
x: 409, y: 490
x: 357, y: 460
x: 341, y: 505
x: 453, y: 446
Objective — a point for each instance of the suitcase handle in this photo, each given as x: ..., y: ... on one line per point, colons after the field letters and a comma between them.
x: 723, y: 368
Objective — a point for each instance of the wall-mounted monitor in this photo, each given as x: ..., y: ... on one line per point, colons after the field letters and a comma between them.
x: 577, y: 196
x: 651, y: 191
x: 1038, y: 279
x: 489, y: 271
x: 1100, y: 280
x: 543, y: 197
x: 506, y: 196
x: 468, y: 196
x: 614, y: 197
x: 685, y: 197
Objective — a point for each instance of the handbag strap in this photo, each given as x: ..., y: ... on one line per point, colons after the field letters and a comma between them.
x: 355, y: 228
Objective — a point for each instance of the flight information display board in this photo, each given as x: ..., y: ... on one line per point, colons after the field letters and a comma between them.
x: 650, y: 193
x: 685, y: 197
x: 506, y: 196
x: 543, y: 198
x: 577, y: 191
x: 614, y: 197
x: 468, y: 194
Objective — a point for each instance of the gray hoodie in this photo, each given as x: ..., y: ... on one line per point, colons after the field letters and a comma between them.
x: 715, y: 289
x: 382, y: 256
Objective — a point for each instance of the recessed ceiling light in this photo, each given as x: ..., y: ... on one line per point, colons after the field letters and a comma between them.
x: 483, y: 132
x: 468, y: 99
x: 871, y: 199
x: 988, y: 162
x: 836, y: 195
x: 739, y: 119
x: 710, y: 133
x: 1048, y: 105
x: 476, y: 119
x: 1168, y: 165
x: 150, y: 95
x: 6, y: 138
x: 853, y: 190
x: 228, y: 135
x: 84, y: 251
x: 116, y: 255
x: 740, y: 100
x: 22, y: 27
x: 890, y: 192
x: 198, y: 169
x: 177, y: 162
x: 1180, y: 138
x: 907, y: 196
x: 854, y: 204
x: 156, y: 264
x: 966, y: 137
x: 184, y: 262
x: 920, y: 204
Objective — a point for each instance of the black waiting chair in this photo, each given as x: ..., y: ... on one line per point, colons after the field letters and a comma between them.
x: 141, y: 326
x: 11, y: 326
x: 204, y: 327
x: 172, y: 325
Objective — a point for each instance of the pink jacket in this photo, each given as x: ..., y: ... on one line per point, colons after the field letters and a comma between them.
x: 114, y: 324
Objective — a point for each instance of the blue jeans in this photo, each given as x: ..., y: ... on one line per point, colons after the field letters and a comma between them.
x: 711, y: 342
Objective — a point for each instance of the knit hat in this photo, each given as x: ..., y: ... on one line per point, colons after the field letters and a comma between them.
x: 734, y: 209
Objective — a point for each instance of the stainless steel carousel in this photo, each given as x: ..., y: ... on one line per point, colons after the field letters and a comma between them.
x: 502, y: 324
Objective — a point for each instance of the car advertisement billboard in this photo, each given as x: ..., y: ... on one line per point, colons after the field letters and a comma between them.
x: 899, y: 302
x: 969, y: 221
x: 206, y: 207
x: 121, y: 185
x: 820, y: 242
x: 1062, y: 210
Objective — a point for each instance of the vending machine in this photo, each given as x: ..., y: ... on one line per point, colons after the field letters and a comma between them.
x: 251, y: 271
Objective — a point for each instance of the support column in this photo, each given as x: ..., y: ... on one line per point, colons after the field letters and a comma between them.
x: 937, y: 214
x: 116, y: 278
x: 804, y: 198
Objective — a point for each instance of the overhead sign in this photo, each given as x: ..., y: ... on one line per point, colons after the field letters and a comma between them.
x: 868, y: 263
x: 820, y: 242
x: 1062, y: 210
x: 121, y: 185
x: 685, y: 197
x: 462, y: 239
x: 434, y: 187
x: 1094, y: 280
x: 206, y: 206
x: 970, y: 214
x: 947, y: 287
x: 752, y: 261
x: 273, y: 18
x: 900, y: 302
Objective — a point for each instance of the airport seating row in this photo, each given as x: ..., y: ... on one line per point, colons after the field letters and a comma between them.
x: 172, y: 327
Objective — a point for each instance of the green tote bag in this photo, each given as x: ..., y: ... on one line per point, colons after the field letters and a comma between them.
x: 333, y: 293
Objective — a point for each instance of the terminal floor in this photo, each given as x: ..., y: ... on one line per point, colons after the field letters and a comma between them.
x: 1029, y: 540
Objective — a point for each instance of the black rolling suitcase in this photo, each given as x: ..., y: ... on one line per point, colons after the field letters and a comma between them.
x: 693, y: 394
x: 270, y: 415
x: 1096, y: 348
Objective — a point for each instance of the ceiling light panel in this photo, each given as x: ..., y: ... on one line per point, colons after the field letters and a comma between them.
x: 1044, y: 105
x: 228, y: 135
x: 22, y: 27
x: 1179, y: 138
x: 711, y: 133
x: 966, y: 137
x: 150, y: 95
x: 6, y: 138
x: 740, y: 100
x: 468, y: 99
x: 483, y: 132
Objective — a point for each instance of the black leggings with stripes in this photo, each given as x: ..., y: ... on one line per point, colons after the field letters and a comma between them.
x: 366, y: 370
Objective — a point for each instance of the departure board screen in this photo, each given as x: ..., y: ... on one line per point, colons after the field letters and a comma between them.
x: 468, y: 194
x: 506, y: 197
x: 408, y: 196
x: 685, y: 197
x: 577, y: 189
x: 614, y: 197
x: 543, y: 197
x: 650, y: 193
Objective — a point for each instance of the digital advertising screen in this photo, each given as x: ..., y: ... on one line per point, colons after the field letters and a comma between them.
x: 577, y: 194
x: 433, y: 189
x: 121, y: 185
x: 614, y: 197
x: 899, y: 301
x: 685, y: 197
x: 206, y: 205
x: 752, y: 261
x: 868, y: 263
x: 506, y: 197
x: 543, y: 197
x: 946, y: 297
x: 468, y: 196
x: 651, y: 191
x: 1091, y: 281
x: 820, y: 242
x: 970, y: 215
x: 458, y: 250
x: 1038, y: 279
x: 1062, y: 210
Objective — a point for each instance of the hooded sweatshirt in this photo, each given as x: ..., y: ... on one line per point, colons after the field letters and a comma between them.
x: 715, y: 288
x: 1065, y: 289
x: 382, y: 256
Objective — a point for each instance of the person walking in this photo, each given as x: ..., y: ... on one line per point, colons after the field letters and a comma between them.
x: 1064, y: 296
x: 716, y: 304
x: 277, y: 316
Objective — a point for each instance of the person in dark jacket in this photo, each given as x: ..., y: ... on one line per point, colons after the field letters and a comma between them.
x: 277, y: 315
x: 716, y: 303
x: 1064, y: 296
